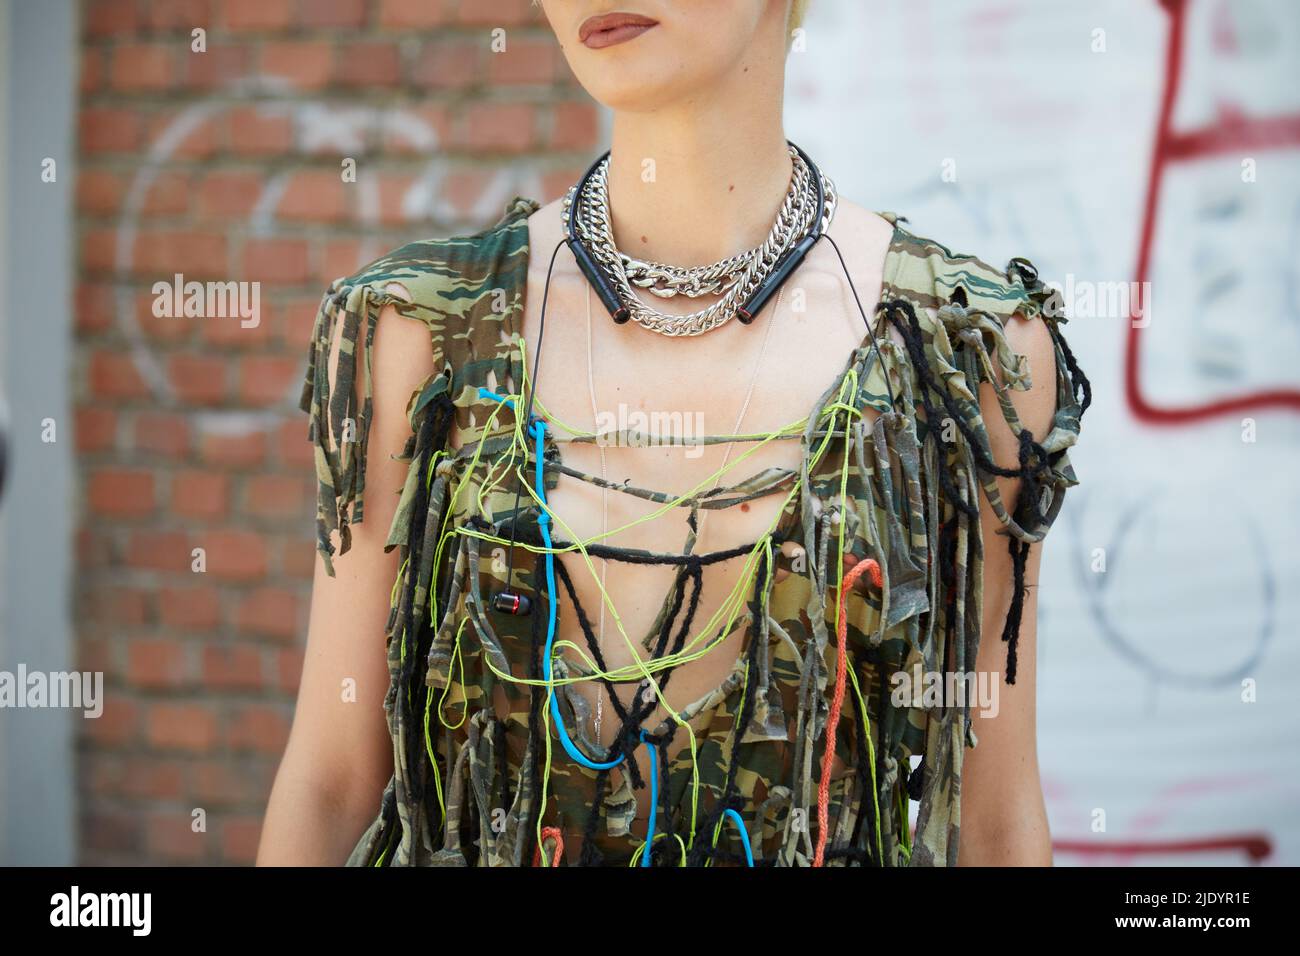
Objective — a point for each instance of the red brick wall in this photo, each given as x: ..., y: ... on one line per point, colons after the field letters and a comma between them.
x: 225, y: 165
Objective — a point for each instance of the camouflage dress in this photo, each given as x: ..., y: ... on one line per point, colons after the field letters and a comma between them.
x: 480, y: 778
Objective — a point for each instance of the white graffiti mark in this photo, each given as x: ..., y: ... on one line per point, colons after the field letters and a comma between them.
x: 162, y: 148
x: 1246, y: 615
x: 318, y: 128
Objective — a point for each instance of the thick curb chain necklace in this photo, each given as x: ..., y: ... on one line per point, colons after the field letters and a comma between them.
x: 734, y: 279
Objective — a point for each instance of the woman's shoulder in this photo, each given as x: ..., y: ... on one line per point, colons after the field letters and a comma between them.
x: 988, y: 344
x: 929, y: 274
x: 933, y: 275
x: 457, y: 272
x: 1010, y: 314
x: 467, y: 292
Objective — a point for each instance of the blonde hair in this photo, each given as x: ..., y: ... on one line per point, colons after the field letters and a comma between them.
x: 797, y: 9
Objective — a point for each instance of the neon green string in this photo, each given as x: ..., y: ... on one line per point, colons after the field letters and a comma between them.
x: 516, y: 458
x: 640, y: 850
x: 455, y: 657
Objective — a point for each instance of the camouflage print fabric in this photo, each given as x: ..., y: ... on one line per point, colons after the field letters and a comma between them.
x: 480, y: 778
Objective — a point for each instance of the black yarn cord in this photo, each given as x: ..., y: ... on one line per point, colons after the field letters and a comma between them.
x: 592, y: 645
x: 433, y: 435
x: 408, y: 628
x: 630, y: 721
x: 1078, y: 381
x: 528, y: 409
x: 691, y: 574
x: 410, y: 686
x: 641, y: 557
x: 915, y: 343
x: 704, y: 849
x: 695, y: 575
x: 866, y: 800
x: 948, y: 576
x: 916, y: 351
x: 1011, y: 630
x: 1034, y: 464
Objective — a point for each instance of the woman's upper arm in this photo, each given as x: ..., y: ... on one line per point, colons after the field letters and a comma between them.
x: 1003, y: 819
x: 340, y: 730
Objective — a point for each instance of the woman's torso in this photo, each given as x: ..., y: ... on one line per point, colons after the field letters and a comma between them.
x: 480, y: 773
x: 765, y: 376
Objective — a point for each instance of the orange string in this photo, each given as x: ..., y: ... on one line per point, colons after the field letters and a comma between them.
x: 837, y: 702
x: 551, y: 833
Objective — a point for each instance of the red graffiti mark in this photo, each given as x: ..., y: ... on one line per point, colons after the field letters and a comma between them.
x: 1224, y: 32
x: 1163, y: 811
x: 1257, y: 847
x: 1231, y: 131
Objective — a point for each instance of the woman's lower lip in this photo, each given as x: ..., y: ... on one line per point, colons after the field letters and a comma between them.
x: 604, y: 38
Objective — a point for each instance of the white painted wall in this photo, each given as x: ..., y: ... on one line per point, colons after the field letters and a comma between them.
x: 1141, y: 668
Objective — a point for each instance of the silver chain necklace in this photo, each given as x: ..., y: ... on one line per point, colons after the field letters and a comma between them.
x: 733, y: 279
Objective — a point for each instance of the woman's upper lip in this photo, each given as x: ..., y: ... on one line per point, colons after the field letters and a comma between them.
x: 611, y: 21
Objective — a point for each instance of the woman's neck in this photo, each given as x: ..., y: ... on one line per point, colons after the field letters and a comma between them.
x: 701, y: 180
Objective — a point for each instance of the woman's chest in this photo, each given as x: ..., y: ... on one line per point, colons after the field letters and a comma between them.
x: 666, y: 447
x: 664, y: 417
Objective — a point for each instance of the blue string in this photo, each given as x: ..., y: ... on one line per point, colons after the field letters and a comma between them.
x: 654, y: 799
x: 488, y: 393
x: 744, y: 834
x: 544, y: 522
